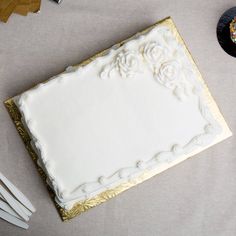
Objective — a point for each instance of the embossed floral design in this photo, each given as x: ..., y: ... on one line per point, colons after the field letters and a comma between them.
x: 154, y: 53
x: 126, y: 64
x: 166, y: 71
x: 172, y: 75
x: 160, y: 59
x: 168, y: 74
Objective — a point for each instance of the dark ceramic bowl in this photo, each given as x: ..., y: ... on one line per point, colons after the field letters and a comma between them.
x: 223, y: 33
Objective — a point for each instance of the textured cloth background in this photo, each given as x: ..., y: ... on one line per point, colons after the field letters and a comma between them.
x: 197, y: 197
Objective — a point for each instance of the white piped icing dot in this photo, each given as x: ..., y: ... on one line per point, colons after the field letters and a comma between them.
x: 40, y: 86
x: 20, y: 102
x: 43, y: 155
x: 64, y: 194
x: 177, y: 149
x: 61, y: 79
x: 30, y: 123
x: 141, y: 165
x: 38, y: 145
x: 102, y: 180
x: 122, y: 174
x: 54, y: 184
x: 104, y: 74
x: 25, y: 96
x: 209, y: 128
x: 198, y: 140
x: 157, y: 157
x: 48, y: 165
x: 85, y: 189
x: 70, y: 69
x: 197, y: 90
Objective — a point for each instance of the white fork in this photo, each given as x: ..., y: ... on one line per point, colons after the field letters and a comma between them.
x: 22, y: 208
x: 17, y: 193
x: 5, y: 207
x: 13, y: 220
x: 12, y: 202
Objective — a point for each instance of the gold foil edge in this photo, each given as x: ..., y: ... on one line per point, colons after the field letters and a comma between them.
x: 85, y: 205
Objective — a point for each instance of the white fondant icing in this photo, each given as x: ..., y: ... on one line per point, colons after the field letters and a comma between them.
x: 92, y: 134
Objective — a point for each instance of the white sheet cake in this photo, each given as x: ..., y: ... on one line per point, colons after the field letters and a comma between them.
x: 141, y: 106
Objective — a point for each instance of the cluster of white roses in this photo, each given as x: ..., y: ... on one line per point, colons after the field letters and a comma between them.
x: 166, y: 70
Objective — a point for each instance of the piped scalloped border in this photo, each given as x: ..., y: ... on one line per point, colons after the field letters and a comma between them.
x: 83, y: 206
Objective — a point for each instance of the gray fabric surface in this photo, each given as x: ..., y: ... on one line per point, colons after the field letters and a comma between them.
x: 197, y: 197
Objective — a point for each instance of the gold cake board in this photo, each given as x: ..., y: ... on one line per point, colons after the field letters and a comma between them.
x: 85, y: 205
x: 21, y: 7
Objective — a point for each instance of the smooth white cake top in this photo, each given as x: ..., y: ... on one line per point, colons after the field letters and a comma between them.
x: 136, y: 108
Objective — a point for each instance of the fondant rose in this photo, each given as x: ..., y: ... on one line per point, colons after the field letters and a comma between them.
x: 127, y: 63
x: 153, y: 53
x: 168, y: 73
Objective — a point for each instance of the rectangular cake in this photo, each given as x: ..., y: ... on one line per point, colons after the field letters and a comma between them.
x: 117, y: 119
